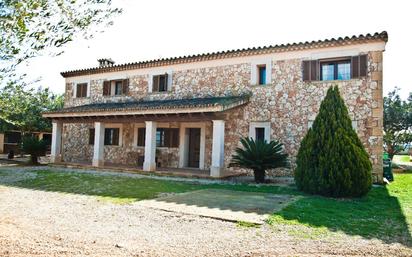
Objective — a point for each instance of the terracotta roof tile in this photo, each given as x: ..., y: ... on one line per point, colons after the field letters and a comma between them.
x: 383, y: 36
x: 226, y: 102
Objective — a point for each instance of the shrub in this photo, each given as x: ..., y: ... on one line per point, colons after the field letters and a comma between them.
x: 332, y: 160
x: 259, y: 156
x: 33, y: 146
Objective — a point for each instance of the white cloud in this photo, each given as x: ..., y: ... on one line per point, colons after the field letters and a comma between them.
x: 153, y: 29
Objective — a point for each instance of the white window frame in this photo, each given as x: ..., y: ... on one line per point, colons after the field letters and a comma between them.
x: 74, y: 89
x: 113, y: 87
x: 120, y: 127
x: 260, y: 124
x: 169, y: 80
x: 136, y: 134
x: 143, y: 125
x: 254, y: 80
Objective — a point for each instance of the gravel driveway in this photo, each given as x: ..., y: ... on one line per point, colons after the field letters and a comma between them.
x: 38, y: 223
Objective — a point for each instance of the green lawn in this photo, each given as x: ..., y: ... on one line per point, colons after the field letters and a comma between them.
x: 385, y: 213
x: 400, y: 159
x: 124, y: 189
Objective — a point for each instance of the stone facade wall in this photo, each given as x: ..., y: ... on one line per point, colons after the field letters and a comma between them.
x: 76, y: 148
x: 288, y: 103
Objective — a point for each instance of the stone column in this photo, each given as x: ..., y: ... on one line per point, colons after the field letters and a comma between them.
x: 56, y: 156
x: 98, y: 150
x: 218, y: 148
x: 150, y: 147
x: 375, y: 123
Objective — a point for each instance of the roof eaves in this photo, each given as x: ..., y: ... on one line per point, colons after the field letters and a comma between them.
x: 383, y: 36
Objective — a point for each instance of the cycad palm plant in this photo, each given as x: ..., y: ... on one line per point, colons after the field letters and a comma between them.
x: 260, y: 156
x: 35, y: 147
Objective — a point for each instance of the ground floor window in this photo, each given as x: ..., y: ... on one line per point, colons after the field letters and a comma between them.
x: 165, y: 137
x: 141, y: 134
x: 91, y: 136
x: 111, y: 136
x: 260, y: 130
x: 260, y: 134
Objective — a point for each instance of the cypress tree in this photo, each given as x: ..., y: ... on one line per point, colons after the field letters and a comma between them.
x: 332, y: 160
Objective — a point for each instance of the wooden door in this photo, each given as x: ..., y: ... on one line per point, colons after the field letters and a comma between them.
x: 194, y: 147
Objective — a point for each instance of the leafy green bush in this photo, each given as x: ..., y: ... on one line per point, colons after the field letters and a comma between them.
x: 259, y: 156
x: 332, y: 160
x: 33, y: 146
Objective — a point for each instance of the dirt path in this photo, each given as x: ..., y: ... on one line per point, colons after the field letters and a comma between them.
x: 38, y: 223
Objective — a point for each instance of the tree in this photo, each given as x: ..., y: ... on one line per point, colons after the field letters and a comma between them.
x: 33, y: 146
x: 28, y: 28
x: 259, y: 156
x: 22, y: 107
x: 332, y: 160
x: 397, y: 122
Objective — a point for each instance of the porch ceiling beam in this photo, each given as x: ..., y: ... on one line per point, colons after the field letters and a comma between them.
x: 143, y: 118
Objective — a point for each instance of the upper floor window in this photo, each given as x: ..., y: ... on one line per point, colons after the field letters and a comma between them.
x: 335, y: 70
x: 261, y: 74
x: 160, y: 83
x: 116, y: 87
x: 81, y: 90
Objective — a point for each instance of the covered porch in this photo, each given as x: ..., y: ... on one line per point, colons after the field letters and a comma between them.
x: 180, y: 136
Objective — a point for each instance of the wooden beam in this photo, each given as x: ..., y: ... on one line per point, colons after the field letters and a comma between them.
x: 133, y: 118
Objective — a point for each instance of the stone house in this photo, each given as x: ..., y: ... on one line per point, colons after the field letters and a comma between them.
x: 189, y: 112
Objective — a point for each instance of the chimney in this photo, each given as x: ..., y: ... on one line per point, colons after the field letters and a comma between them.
x: 105, y: 62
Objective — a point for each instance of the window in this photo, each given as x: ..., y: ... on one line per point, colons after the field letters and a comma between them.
x: 167, y: 137
x: 339, y: 69
x: 335, y: 70
x: 259, y: 134
x: 260, y: 130
x: 141, y: 136
x: 91, y: 136
x: 159, y: 83
x: 261, y: 74
x: 12, y: 137
x: 111, y: 136
x: 118, y: 87
x: 115, y: 87
x: 81, y: 90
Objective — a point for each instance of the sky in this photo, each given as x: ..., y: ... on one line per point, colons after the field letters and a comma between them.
x: 155, y: 29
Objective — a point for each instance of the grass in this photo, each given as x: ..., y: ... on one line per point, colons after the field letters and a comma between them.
x: 385, y: 213
x: 125, y: 189
x: 401, y: 159
x: 245, y: 224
